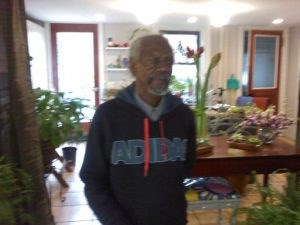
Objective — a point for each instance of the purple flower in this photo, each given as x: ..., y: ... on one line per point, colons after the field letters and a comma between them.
x: 267, y: 118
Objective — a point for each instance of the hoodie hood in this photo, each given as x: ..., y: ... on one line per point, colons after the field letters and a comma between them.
x: 127, y: 95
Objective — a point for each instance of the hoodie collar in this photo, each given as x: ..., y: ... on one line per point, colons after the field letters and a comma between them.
x: 153, y: 112
x: 128, y: 95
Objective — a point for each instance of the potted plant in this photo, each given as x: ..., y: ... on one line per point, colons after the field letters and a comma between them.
x: 15, y: 192
x: 269, y: 123
x: 246, y: 142
x: 203, y: 145
x: 58, y: 120
x: 275, y: 207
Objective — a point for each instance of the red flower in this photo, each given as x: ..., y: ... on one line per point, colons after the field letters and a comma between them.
x: 191, y: 53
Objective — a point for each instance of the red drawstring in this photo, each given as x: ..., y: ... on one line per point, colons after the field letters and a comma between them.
x: 147, y: 147
x: 163, y: 139
x: 147, y: 144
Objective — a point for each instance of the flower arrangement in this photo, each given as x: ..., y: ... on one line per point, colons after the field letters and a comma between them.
x: 241, y: 141
x: 201, y: 89
x: 267, y: 119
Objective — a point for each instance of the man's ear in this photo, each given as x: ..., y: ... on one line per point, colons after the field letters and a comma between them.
x: 133, y: 67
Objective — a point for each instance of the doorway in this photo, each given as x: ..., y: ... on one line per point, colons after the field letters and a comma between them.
x: 264, y: 64
x: 75, y: 63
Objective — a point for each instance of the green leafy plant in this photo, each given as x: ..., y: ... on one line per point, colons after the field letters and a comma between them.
x: 176, y: 86
x: 15, y: 193
x: 58, y: 117
x: 238, y: 137
x: 275, y: 207
x: 254, y: 140
x: 248, y: 139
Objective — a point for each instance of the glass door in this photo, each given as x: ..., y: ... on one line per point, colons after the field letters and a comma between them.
x: 75, y: 67
x: 264, y: 66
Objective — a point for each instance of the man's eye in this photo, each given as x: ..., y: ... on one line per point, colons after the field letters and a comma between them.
x: 153, y: 61
x: 169, y: 61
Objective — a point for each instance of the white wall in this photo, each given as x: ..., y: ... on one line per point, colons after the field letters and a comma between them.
x: 293, y: 78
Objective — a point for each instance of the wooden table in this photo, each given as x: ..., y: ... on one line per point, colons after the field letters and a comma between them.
x: 225, y: 161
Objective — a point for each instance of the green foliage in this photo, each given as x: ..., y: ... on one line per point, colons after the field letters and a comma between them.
x: 275, y: 207
x: 58, y: 117
x: 15, y: 193
x: 177, y: 86
x: 249, y: 139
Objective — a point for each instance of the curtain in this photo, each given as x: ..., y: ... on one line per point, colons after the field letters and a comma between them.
x: 19, y: 138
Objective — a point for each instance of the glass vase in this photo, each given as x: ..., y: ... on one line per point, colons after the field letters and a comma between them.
x: 266, y: 135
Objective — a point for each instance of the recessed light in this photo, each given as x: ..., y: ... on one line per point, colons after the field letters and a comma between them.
x: 277, y: 21
x: 192, y: 19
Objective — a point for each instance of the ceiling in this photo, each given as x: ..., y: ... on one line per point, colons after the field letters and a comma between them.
x: 259, y: 12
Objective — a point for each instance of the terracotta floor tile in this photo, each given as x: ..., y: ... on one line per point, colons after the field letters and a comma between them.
x: 192, y: 219
x: 72, y: 213
x: 69, y: 199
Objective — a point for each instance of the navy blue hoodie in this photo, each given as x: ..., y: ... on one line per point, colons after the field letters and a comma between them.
x: 134, y: 168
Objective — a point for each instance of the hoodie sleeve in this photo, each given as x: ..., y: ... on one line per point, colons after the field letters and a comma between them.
x: 94, y: 174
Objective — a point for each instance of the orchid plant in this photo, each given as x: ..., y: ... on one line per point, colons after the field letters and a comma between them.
x: 201, y: 90
x: 267, y: 119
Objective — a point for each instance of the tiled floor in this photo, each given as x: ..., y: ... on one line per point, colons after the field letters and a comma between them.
x: 69, y: 205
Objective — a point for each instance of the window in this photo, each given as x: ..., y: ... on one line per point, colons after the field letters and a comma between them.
x: 37, y: 51
x: 183, y: 69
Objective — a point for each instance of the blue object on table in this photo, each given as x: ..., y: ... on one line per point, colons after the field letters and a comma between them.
x: 233, y: 83
x: 244, y: 101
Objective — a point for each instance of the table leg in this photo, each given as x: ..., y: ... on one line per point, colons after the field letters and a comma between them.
x: 266, y: 179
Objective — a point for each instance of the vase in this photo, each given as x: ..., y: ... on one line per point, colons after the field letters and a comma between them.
x: 266, y: 135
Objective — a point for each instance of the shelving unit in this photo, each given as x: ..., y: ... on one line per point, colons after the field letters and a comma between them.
x: 116, y: 48
x: 117, y: 69
x: 117, y: 74
x: 111, y: 56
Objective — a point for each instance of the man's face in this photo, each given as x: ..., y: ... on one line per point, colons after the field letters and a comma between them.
x: 153, y: 69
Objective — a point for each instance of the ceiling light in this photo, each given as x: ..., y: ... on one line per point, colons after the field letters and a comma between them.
x: 147, y: 12
x: 277, y: 21
x: 192, y: 19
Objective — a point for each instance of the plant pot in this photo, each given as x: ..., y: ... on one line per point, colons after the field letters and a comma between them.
x: 69, y: 154
x: 244, y: 146
x: 203, y: 149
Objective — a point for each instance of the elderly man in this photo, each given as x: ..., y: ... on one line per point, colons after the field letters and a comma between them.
x: 141, y: 145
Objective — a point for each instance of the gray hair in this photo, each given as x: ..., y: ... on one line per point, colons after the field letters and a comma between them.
x: 135, y: 50
x: 135, y: 47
